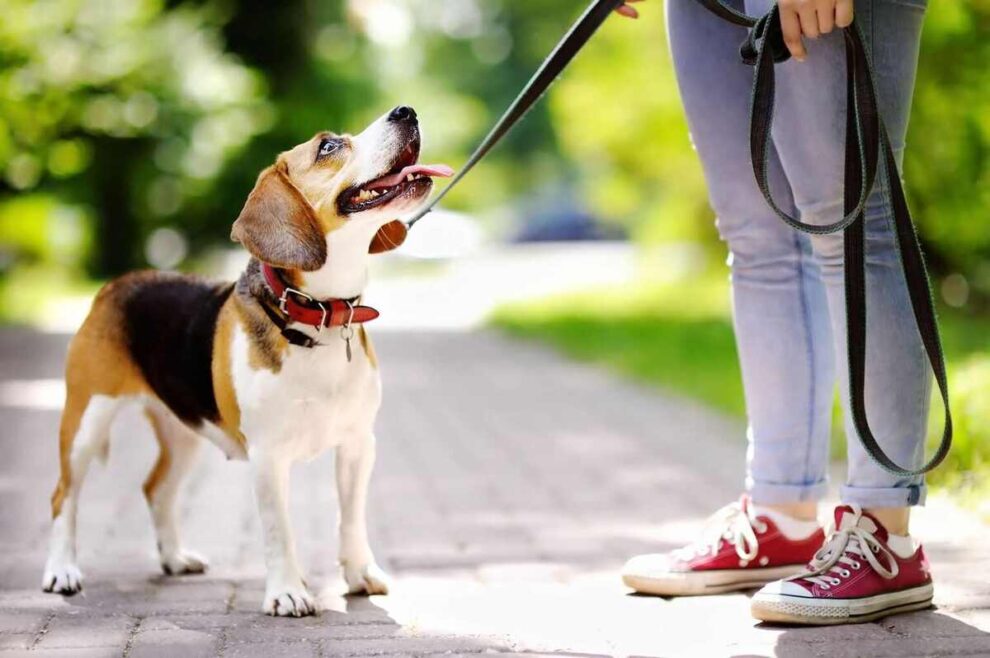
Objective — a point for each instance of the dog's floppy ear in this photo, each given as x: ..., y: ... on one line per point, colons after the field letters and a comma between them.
x: 388, y: 237
x: 278, y: 226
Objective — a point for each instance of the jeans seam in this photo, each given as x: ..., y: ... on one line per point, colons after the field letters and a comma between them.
x: 809, y: 350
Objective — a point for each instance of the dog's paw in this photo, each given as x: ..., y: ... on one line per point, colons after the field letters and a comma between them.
x: 289, y: 602
x: 62, y: 579
x: 183, y: 562
x: 367, y: 579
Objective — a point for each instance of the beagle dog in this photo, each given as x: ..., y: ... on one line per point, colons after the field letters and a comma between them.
x: 274, y: 368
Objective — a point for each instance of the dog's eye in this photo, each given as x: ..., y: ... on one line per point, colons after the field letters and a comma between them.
x: 328, y: 147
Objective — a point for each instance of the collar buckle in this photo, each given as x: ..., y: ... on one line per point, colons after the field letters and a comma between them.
x: 284, y: 299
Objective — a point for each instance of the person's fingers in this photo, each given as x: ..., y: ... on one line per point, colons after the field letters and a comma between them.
x: 627, y: 11
x: 843, y: 13
x: 826, y: 15
x: 808, y: 18
x: 790, y: 25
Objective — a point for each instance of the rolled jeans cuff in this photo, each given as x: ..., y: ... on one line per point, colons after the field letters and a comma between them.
x: 905, y: 496
x: 773, y: 493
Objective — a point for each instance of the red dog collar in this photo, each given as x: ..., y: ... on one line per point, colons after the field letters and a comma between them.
x: 315, y: 312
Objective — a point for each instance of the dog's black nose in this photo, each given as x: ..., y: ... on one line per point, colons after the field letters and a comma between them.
x: 403, y: 113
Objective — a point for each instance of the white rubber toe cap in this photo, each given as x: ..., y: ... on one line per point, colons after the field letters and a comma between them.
x: 651, y: 565
x: 783, y: 588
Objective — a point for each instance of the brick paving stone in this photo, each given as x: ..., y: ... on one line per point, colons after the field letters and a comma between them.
x: 86, y: 631
x: 175, y: 643
x: 272, y: 649
x: 91, y: 652
x: 16, y: 640
x: 510, y: 486
x: 22, y: 623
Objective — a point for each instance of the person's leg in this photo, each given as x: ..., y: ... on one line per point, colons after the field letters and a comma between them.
x: 809, y: 138
x: 779, y: 305
x: 870, y: 568
x: 782, y: 333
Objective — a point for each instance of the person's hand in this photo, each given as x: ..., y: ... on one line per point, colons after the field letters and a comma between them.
x: 626, y: 9
x: 811, y: 18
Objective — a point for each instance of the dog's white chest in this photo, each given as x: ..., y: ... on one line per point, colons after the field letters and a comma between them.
x: 318, y: 399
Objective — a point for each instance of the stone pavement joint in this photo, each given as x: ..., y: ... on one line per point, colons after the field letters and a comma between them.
x: 510, y: 486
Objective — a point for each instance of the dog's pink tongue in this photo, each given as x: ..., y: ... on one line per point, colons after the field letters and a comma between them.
x: 434, y: 170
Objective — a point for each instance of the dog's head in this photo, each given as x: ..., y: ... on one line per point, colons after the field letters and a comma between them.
x: 337, y: 183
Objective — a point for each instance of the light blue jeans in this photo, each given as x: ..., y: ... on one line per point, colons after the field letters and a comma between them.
x: 787, y: 287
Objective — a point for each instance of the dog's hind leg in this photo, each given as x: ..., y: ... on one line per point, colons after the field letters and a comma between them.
x: 84, y: 433
x: 354, y: 462
x: 178, y: 448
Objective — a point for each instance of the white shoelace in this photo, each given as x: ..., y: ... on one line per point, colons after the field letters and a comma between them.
x: 845, y: 548
x: 733, y: 524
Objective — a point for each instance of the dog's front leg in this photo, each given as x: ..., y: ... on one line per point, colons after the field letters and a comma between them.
x: 355, y: 460
x: 285, y: 593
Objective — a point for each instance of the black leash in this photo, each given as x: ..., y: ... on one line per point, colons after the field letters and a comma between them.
x: 552, y: 66
x: 866, y: 143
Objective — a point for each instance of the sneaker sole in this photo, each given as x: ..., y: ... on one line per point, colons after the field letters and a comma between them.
x: 699, y: 583
x: 781, y: 608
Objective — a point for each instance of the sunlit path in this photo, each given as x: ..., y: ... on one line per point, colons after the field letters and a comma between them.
x: 511, y: 485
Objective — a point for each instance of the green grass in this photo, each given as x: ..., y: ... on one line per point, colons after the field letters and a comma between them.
x: 675, y: 337
x: 35, y: 295
x: 679, y: 337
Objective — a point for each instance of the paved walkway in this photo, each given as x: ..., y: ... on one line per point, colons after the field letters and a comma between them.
x: 510, y: 486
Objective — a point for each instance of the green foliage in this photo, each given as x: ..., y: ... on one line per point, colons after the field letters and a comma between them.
x: 144, y: 114
x: 633, y: 152
x: 679, y: 337
x: 947, y: 162
x: 139, y: 104
x: 676, y: 336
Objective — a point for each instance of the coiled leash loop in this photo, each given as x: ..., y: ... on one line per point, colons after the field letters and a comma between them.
x: 866, y: 142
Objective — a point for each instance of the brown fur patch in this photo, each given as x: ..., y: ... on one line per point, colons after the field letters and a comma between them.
x: 266, y: 345
x: 164, y: 462
x: 369, y: 349
x: 98, y: 363
x: 223, y: 381
x: 278, y: 225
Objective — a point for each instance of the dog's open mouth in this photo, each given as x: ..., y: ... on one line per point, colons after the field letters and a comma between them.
x: 405, y: 176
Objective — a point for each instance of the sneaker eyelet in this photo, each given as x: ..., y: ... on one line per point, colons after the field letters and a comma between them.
x: 856, y: 565
x: 762, y: 528
x: 835, y: 581
x: 845, y: 573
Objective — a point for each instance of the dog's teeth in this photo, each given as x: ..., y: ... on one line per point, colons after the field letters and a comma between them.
x: 374, y: 194
x: 409, y: 178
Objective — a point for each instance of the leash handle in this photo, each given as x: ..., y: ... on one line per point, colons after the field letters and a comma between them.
x: 555, y: 63
x: 867, y: 142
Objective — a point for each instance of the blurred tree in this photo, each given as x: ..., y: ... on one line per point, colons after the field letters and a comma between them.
x: 160, y: 113
x: 124, y: 106
x: 947, y: 162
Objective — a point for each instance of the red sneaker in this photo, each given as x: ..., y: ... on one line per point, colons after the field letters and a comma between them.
x: 737, y: 550
x: 855, y: 577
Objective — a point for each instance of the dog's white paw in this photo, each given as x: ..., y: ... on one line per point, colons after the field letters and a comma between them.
x: 183, y: 562
x: 289, y: 602
x: 62, y: 579
x: 366, y: 579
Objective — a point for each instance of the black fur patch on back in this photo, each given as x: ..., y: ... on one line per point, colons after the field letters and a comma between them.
x: 170, y: 324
